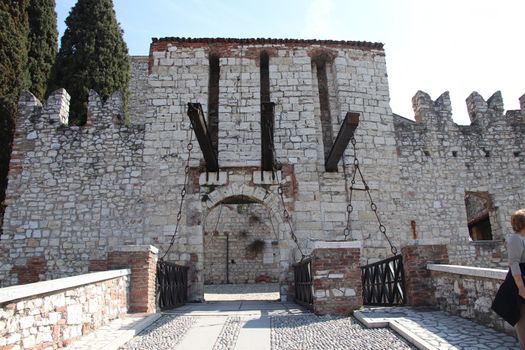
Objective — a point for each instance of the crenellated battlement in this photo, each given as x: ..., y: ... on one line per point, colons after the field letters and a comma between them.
x: 483, y: 114
x: 428, y: 111
x: 54, y: 111
x: 105, y: 114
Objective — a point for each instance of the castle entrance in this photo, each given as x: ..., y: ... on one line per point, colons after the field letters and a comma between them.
x: 241, y: 251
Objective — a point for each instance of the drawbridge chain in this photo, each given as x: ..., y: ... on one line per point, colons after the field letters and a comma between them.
x: 287, y: 219
x: 189, y: 147
x: 373, y: 206
x: 286, y: 215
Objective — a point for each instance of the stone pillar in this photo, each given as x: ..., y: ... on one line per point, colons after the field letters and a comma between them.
x: 336, y: 277
x: 142, y: 260
x: 417, y: 255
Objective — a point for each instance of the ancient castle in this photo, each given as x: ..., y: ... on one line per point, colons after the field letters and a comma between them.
x: 76, y: 193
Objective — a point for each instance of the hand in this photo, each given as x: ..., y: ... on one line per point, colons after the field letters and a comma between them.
x: 521, y: 292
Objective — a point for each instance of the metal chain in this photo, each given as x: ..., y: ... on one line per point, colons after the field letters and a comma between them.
x: 287, y: 219
x: 212, y: 233
x: 189, y: 147
x: 373, y: 206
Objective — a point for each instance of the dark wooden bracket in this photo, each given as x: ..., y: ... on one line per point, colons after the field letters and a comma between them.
x: 203, y: 136
x: 341, y: 142
x: 267, y: 127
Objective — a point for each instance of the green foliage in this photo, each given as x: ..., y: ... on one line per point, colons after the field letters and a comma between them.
x: 13, y: 75
x: 42, y: 44
x: 92, y: 55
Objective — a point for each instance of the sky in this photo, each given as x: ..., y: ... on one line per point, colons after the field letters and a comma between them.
x: 458, y: 46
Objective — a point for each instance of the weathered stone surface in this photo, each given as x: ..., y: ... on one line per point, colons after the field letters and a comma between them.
x: 56, y: 318
x: 76, y: 192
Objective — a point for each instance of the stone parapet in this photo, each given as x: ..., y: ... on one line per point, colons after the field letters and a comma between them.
x: 468, y: 292
x: 33, y: 289
x: 469, y: 271
x: 336, y: 274
x: 52, y: 314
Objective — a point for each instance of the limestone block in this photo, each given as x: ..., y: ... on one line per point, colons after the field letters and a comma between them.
x: 74, y: 314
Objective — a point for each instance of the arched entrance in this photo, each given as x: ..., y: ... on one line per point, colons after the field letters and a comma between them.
x: 243, y: 242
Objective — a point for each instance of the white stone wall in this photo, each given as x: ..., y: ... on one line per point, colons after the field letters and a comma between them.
x: 73, y: 191
x: 53, y: 314
x: 469, y: 292
x: 230, y: 230
x: 76, y: 191
x: 441, y: 161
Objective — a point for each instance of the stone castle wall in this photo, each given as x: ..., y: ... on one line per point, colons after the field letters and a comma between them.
x: 75, y: 192
x: 243, y: 235
x: 441, y: 161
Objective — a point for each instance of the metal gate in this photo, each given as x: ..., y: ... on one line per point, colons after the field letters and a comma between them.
x: 303, y: 283
x: 384, y: 282
x: 172, y: 285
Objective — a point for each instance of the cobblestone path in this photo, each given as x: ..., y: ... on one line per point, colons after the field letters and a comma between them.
x: 287, y: 332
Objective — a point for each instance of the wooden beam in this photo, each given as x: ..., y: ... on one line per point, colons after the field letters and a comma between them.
x: 341, y: 142
x: 203, y: 136
x: 267, y: 127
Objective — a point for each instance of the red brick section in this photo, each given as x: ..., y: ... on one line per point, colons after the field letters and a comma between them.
x: 143, y: 265
x: 97, y: 265
x: 337, y: 275
x: 418, y: 284
x: 32, y: 271
x: 223, y: 47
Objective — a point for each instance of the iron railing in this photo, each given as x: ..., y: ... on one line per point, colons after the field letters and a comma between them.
x: 303, y: 283
x: 383, y: 282
x: 172, y: 285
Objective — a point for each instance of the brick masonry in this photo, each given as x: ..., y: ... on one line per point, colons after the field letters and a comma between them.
x: 418, y: 281
x: 69, y: 208
x: 336, y: 274
x: 142, y: 261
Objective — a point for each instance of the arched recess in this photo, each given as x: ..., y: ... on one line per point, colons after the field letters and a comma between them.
x: 252, y: 208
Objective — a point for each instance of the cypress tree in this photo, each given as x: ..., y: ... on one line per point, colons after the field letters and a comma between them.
x: 42, y: 43
x: 92, y: 55
x: 13, y: 77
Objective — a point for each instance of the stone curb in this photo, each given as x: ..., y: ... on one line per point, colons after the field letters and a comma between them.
x: 114, y: 339
x: 394, y: 324
x: 127, y: 335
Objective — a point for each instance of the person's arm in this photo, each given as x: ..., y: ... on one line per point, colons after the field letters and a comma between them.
x: 515, y: 251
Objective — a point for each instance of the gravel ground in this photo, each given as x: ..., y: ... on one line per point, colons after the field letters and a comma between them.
x: 329, y: 332
x: 163, y: 334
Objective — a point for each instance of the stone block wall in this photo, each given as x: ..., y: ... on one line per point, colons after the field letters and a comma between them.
x: 441, y: 161
x: 468, y: 292
x: 53, y: 314
x: 356, y: 74
x: 73, y: 191
x: 233, y: 231
x: 336, y: 274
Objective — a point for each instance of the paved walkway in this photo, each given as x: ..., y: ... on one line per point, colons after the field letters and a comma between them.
x: 431, y: 329
x: 259, y: 325
x: 241, y: 323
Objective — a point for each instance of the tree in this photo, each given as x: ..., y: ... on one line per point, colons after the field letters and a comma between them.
x: 13, y: 77
x: 42, y: 44
x: 92, y: 55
